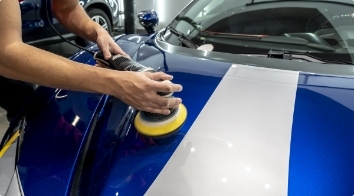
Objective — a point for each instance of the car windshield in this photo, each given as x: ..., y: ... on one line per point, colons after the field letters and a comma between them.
x: 324, y: 29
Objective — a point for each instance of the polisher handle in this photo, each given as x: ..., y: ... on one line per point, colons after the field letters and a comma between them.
x: 121, y: 63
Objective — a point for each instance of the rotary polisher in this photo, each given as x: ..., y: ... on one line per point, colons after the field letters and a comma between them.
x: 147, y: 123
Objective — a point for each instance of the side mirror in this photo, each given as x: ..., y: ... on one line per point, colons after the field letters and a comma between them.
x: 149, y: 20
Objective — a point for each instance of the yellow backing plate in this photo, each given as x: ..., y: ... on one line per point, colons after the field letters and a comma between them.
x: 163, y: 129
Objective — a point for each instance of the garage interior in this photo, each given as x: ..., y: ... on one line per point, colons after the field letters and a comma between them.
x: 266, y: 99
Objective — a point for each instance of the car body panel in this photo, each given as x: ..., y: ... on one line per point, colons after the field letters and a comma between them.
x: 55, y: 134
x: 322, y: 139
x: 336, y: 89
x: 146, y: 156
x: 201, y: 163
x: 124, y: 162
x: 60, y: 124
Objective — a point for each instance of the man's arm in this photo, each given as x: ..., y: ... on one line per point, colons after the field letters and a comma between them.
x: 20, y: 61
x: 23, y: 62
x: 73, y: 16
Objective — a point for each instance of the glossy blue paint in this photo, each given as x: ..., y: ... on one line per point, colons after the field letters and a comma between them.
x: 119, y: 160
x: 322, y: 143
x: 137, y: 39
x: 139, y: 159
x: 56, y: 127
x: 115, y: 119
x: 58, y: 144
x: 114, y: 122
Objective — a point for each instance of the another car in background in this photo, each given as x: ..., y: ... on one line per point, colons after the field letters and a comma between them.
x: 37, y: 31
x: 269, y: 89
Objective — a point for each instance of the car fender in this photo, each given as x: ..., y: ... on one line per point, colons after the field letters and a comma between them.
x: 130, y: 44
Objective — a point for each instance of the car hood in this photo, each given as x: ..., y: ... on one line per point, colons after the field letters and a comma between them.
x: 251, y: 129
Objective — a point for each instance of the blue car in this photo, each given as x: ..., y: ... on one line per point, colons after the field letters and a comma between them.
x: 269, y: 92
x: 37, y: 31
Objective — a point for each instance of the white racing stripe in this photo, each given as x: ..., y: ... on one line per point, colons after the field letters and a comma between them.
x: 240, y: 142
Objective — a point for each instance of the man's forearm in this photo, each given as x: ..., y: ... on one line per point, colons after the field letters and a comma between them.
x: 23, y: 62
x: 72, y: 15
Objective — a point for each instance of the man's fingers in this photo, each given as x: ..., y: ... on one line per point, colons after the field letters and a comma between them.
x: 99, y: 64
x: 166, y: 87
x: 163, y: 102
x: 156, y: 111
x: 162, y: 106
x: 159, y: 102
x: 117, y: 50
x: 106, y: 53
x: 159, y: 76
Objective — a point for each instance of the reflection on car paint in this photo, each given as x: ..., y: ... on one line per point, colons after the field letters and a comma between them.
x: 323, y: 137
x: 57, y: 128
x: 140, y: 159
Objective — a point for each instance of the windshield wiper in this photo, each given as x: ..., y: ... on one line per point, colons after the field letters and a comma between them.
x: 302, y: 56
x: 183, y: 38
x: 323, y: 60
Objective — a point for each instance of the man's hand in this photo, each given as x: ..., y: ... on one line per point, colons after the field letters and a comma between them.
x: 107, y: 45
x: 139, y: 90
x: 72, y: 16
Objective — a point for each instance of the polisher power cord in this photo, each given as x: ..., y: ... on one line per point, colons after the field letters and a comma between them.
x: 63, y: 38
x: 149, y: 124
